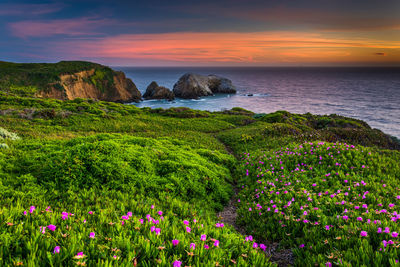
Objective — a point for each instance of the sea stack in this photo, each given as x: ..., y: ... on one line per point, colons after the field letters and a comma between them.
x: 154, y: 91
x: 192, y: 85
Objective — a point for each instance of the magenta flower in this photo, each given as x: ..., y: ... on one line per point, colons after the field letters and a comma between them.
x: 301, y: 246
x: 52, y: 227
x: 216, y: 243
x: 92, y: 234
x: 159, y: 212
x: 185, y: 222
x: 158, y: 231
x: 364, y: 233
x: 327, y: 227
x: 56, y: 250
x: 125, y: 217
x: 249, y: 238
x: 192, y: 246
x: 379, y: 230
x: 90, y: 212
x: 152, y: 229
x: 64, y: 215
x: 255, y: 245
x: 203, y: 237
x: 129, y: 214
x: 395, y: 234
x: 175, y: 242
x: 359, y: 219
x: 188, y: 229
x: 328, y: 264
x: 31, y: 209
x: 42, y: 229
x: 263, y: 247
x: 141, y: 221
x: 177, y: 264
x: 206, y: 246
x: 25, y: 212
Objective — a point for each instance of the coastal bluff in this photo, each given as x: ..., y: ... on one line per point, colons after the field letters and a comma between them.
x: 67, y: 80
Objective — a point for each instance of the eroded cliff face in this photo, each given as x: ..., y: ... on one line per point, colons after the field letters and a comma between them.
x: 81, y: 85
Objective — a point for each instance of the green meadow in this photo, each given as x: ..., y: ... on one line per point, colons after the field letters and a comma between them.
x: 94, y: 183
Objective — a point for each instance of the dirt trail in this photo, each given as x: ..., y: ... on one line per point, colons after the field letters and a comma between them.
x: 282, y: 257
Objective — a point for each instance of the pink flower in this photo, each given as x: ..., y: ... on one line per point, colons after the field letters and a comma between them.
x: 192, y: 246
x: 31, y: 209
x: 52, y: 227
x: 188, y: 229
x: 129, y: 213
x: 249, y: 238
x: 328, y: 264
x: 263, y: 247
x: 206, y: 246
x: 90, y: 212
x: 141, y: 221
x: 379, y: 230
x: 159, y: 212
x: 42, y: 229
x: 359, y: 219
x: 395, y: 234
x: 125, y: 217
x: 185, y: 222
x: 158, y: 231
x: 301, y: 246
x: 177, y: 264
x: 364, y: 233
x: 175, y: 242
x: 64, y: 215
x: 216, y: 243
x: 92, y: 234
x: 25, y: 212
x: 255, y: 245
x: 203, y: 237
x: 56, y: 250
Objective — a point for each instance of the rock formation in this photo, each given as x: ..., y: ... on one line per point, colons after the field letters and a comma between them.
x: 154, y: 91
x: 99, y: 84
x: 192, y: 85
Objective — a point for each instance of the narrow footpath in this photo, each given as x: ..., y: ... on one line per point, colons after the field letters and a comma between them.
x: 281, y: 257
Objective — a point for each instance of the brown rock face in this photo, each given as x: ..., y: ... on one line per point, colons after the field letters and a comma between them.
x: 154, y: 91
x: 192, y: 85
x: 81, y: 85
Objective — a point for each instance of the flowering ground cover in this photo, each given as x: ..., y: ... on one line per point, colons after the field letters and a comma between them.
x: 94, y: 183
x: 334, y: 203
x: 114, y: 229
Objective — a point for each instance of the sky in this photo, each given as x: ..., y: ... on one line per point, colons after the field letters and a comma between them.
x: 203, y: 33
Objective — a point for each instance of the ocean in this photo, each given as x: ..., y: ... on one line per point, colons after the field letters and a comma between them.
x: 369, y: 94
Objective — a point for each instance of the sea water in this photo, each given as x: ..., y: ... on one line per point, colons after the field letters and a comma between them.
x: 369, y: 94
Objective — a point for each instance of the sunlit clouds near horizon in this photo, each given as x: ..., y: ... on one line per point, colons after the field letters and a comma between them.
x: 226, y: 33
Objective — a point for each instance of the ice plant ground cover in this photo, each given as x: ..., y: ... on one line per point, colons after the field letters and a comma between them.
x: 116, y: 230
x: 99, y: 183
x: 334, y: 203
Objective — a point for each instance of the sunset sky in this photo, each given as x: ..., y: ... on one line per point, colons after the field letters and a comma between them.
x: 203, y: 33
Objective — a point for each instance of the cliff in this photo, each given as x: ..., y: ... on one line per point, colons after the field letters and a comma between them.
x: 67, y: 80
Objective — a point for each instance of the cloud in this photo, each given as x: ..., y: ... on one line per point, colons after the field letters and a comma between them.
x: 224, y: 47
x: 29, y: 9
x: 45, y: 28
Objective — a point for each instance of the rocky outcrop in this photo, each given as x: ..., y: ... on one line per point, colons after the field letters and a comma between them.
x: 154, y: 91
x: 99, y: 84
x: 220, y: 85
x: 192, y: 85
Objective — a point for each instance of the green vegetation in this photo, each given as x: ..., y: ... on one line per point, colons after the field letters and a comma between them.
x: 120, y: 184
x: 27, y: 79
x: 333, y: 203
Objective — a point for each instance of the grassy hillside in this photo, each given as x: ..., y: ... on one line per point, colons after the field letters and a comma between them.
x: 100, y: 183
x: 26, y: 79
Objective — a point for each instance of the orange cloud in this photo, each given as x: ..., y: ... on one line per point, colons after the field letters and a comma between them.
x: 258, y: 47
